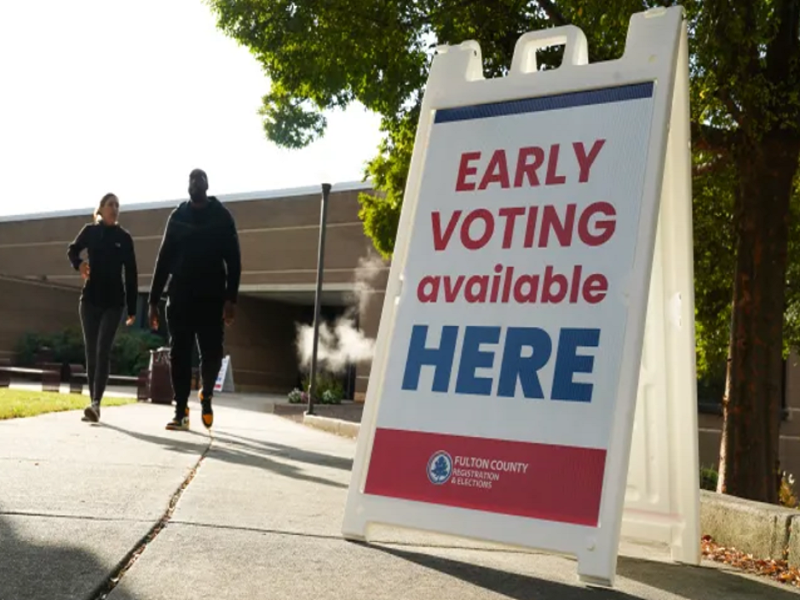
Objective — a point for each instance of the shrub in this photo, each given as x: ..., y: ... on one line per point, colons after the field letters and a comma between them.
x: 329, y: 388
x: 786, y: 495
x: 297, y: 396
x: 131, y: 351
x: 129, y: 354
x: 708, y: 478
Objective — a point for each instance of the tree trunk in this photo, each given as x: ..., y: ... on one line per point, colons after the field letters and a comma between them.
x: 749, y: 460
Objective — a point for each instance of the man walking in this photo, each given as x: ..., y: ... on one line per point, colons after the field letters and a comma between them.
x: 200, y: 251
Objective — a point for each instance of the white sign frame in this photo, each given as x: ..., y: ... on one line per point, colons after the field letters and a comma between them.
x: 656, y: 51
x: 224, y: 382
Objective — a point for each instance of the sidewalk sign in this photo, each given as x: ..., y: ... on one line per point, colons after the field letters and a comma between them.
x: 224, y: 381
x: 525, y: 353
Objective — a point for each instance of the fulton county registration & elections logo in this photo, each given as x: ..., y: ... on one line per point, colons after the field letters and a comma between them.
x: 440, y: 467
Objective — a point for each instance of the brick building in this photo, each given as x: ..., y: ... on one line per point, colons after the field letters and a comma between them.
x: 278, y: 231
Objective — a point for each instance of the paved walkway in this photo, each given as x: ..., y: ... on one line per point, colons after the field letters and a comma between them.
x: 259, y: 518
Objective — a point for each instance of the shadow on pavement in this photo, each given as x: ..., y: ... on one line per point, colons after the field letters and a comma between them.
x: 33, y: 571
x: 251, y: 403
x: 691, y: 583
x: 699, y: 583
x: 256, y: 455
x: 512, y: 585
x: 275, y: 449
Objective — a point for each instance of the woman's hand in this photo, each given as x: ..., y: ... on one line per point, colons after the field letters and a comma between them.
x: 84, y: 268
x: 131, y: 320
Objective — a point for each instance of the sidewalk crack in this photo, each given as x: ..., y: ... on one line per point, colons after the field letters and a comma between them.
x: 104, y: 589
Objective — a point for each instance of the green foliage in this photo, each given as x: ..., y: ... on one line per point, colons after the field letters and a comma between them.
x: 787, y: 495
x: 323, y: 54
x: 131, y: 351
x: 708, y: 478
x: 297, y: 396
x: 329, y: 388
x: 66, y: 346
x: 129, y: 354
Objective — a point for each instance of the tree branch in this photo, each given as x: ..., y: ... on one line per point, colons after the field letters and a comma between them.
x: 552, y: 12
x: 724, y: 96
x: 709, y: 167
x: 713, y: 139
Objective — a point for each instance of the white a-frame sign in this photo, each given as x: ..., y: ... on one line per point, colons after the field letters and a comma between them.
x: 534, y: 379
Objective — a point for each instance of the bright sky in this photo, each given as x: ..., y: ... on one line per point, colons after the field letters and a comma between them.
x: 129, y: 97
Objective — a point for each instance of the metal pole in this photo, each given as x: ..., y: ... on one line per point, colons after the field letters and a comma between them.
x: 323, y: 217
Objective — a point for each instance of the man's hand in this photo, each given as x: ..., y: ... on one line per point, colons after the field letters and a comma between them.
x: 152, y: 317
x: 84, y: 269
x: 130, y: 320
x: 229, y: 312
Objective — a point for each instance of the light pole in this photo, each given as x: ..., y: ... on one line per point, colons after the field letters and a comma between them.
x: 323, y: 217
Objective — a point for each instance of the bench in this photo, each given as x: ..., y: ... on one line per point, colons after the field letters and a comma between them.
x: 76, y: 375
x: 51, y: 376
x: 5, y: 375
x: 143, y: 385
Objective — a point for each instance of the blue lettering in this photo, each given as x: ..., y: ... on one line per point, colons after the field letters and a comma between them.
x: 441, y: 358
x: 473, y: 358
x: 515, y: 366
x: 526, y: 351
x: 569, y: 362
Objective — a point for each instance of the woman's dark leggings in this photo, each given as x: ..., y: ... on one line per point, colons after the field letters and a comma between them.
x: 99, y: 330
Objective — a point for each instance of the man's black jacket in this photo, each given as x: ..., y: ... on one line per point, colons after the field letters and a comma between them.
x: 200, y: 251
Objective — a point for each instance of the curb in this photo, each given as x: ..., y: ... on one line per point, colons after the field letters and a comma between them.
x: 335, y: 426
x: 763, y: 530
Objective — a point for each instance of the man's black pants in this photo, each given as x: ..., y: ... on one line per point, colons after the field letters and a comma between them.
x: 198, y: 321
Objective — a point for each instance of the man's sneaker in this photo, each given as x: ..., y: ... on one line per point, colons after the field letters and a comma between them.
x: 208, y: 414
x: 178, y: 423
x: 91, y: 413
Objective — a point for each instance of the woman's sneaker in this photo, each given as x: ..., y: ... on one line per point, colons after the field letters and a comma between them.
x: 179, y: 423
x: 91, y: 413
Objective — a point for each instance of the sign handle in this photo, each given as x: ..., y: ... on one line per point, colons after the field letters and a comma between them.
x: 576, y: 48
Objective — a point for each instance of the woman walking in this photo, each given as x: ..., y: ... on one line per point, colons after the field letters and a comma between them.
x: 104, y: 297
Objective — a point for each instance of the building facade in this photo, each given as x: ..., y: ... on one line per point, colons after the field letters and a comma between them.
x: 278, y: 234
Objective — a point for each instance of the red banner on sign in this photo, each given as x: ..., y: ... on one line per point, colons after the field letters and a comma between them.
x: 541, y: 481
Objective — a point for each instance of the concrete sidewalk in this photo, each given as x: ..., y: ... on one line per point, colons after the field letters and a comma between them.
x: 260, y: 519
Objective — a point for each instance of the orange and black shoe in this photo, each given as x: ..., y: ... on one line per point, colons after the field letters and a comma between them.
x: 208, y: 414
x: 179, y: 423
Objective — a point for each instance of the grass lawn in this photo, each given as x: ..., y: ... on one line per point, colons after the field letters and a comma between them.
x: 23, y: 403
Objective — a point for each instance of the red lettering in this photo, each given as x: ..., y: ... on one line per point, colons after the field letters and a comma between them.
x: 510, y: 215
x: 440, y: 241
x: 532, y: 281
x: 603, y: 230
x: 507, y: 284
x: 488, y: 230
x: 431, y: 282
x: 575, y: 288
x: 464, y: 170
x: 451, y: 293
x: 562, y: 229
x: 585, y: 162
x: 548, y: 297
x: 552, y: 167
x: 496, y: 171
x: 530, y: 226
x: 595, y: 288
x: 496, y: 282
x: 526, y: 169
x: 471, y: 295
